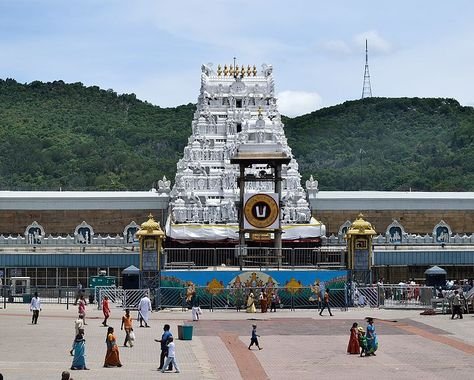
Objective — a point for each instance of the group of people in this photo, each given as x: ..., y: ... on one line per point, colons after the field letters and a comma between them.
x: 112, y: 356
x: 361, y: 342
x: 263, y: 299
x: 168, y: 351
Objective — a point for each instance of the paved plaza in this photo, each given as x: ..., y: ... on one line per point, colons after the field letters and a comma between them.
x: 298, y: 344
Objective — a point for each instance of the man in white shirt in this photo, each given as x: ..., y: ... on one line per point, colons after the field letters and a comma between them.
x: 144, y: 309
x: 456, y: 305
x: 35, y: 307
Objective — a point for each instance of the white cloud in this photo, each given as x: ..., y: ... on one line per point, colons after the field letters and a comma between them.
x: 337, y: 46
x: 296, y: 103
x: 375, y: 42
x: 356, y: 45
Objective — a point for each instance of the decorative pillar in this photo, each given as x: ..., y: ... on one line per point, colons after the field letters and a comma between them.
x: 151, y: 237
x: 359, y: 248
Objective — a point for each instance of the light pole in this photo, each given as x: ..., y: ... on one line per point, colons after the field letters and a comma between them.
x: 361, y: 152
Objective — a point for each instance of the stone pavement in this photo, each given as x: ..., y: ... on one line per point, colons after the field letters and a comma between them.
x: 298, y: 344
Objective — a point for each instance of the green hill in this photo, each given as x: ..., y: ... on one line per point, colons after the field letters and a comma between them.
x: 57, y: 135
x: 387, y: 144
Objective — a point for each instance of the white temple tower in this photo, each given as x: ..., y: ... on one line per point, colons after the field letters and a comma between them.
x: 236, y: 105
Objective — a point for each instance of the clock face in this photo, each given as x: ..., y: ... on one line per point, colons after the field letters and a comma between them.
x: 238, y: 87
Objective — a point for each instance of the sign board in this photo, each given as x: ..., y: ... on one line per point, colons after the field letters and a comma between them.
x: 361, y: 259
x: 149, y: 260
x: 261, y: 236
x: 261, y: 211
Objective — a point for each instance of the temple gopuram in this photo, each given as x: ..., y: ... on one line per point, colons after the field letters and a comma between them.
x: 236, y: 107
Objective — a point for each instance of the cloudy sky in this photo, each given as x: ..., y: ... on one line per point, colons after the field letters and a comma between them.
x: 155, y: 48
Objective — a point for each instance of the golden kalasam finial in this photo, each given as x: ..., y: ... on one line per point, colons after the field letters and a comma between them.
x: 237, y: 70
x: 226, y: 70
x: 242, y: 71
x: 249, y: 70
x: 254, y: 71
x: 231, y: 71
x: 260, y: 111
x: 219, y: 70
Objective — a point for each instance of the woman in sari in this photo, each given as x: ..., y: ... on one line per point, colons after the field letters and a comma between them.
x: 251, y: 304
x: 353, y: 347
x: 372, y: 341
x: 112, y: 358
x: 79, y: 348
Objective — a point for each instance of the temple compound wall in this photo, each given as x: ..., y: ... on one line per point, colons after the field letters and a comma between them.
x: 60, y: 213
x: 417, y: 212
x: 417, y: 222
x: 63, y: 222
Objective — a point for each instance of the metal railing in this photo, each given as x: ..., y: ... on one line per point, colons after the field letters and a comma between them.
x: 190, y: 258
x: 231, y: 298
x: 123, y: 298
x: 392, y: 296
x: 53, y: 295
x: 385, y: 296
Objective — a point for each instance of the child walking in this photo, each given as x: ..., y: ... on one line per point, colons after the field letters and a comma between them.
x: 171, y: 356
x: 362, y: 341
x: 254, y: 338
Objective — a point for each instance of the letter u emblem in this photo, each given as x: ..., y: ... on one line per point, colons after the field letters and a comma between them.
x: 260, y: 211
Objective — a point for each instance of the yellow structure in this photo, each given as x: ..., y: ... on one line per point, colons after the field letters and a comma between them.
x: 151, y: 237
x: 359, y: 244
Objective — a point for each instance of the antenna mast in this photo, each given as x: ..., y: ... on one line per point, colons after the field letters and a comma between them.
x: 366, y: 88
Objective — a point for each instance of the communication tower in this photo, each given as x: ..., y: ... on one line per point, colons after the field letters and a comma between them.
x: 366, y: 88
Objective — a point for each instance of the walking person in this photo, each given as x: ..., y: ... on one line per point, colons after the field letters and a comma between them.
x: 239, y: 299
x: 144, y: 309
x: 254, y: 338
x: 195, y: 307
x: 81, y: 307
x: 372, y: 340
x: 171, y: 359
x: 78, y: 326
x: 79, y: 348
x: 164, y: 347
x: 456, y: 305
x: 326, y: 303
x: 79, y: 291
x: 105, y: 310
x: 362, y: 341
x: 127, y: 322
x: 112, y: 357
x: 354, y: 347
x: 274, y: 301
x: 35, y: 307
